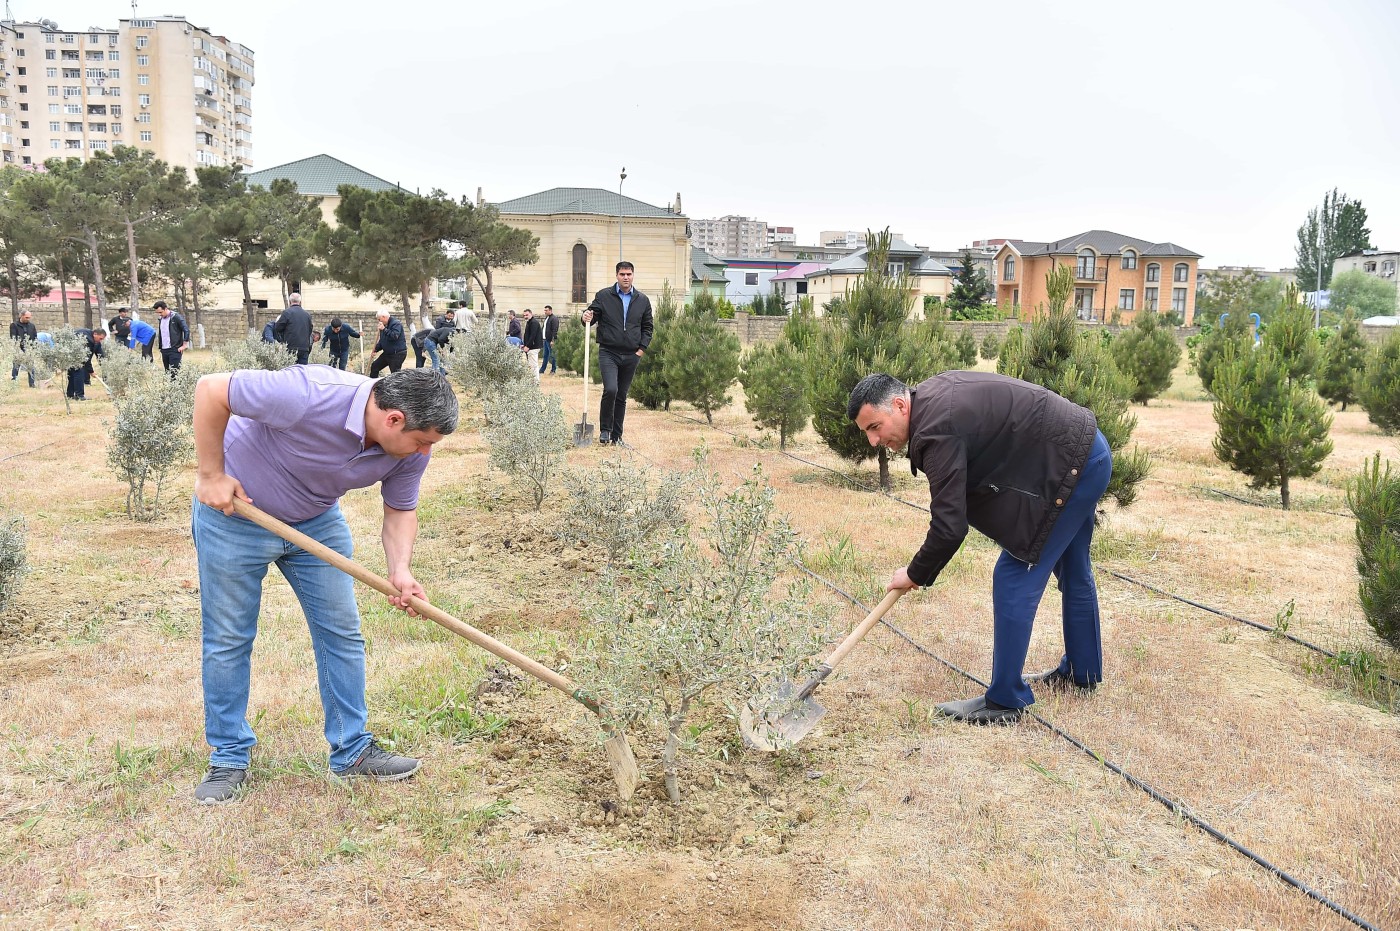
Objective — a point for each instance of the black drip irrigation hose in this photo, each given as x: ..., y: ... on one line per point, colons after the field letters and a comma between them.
x: 27, y: 451
x: 1175, y: 807
x: 1260, y: 504
x: 1234, y: 617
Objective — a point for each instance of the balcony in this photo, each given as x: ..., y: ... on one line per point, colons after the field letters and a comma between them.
x: 1085, y: 272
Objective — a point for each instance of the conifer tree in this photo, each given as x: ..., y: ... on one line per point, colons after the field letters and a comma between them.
x: 1079, y: 367
x: 1380, y: 385
x: 1232, y: 332
x: 1271, y: 427
x: 801, y: 324
x: 968, y: 291
x: 866, y: 331
x: 1374, y: 497
x: 991, y: 347
x: 649, y: 387
x: 1343, y: 362
x: 702, y: 357
x: 1291, y: 332
x: 775, y: 389
x: 1147, y: 353
x: 966, y: 348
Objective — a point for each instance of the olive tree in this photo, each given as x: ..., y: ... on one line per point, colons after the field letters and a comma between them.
x: 528, y: 435
x: 150, y: 437
x: 13, y: 561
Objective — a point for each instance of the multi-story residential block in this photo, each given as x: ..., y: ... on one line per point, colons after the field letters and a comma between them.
x: 1113, y: 275
x: 1379, y: 263
x: 160, y: 84
x: 777, y: 234
x: 849, y: 239
x: 730, y: 237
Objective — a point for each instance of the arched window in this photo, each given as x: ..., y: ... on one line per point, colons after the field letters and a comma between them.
x: 1129, y: 259
x: 1154, y: 272
x: 1181, y: 272
x: 580, y: 278
x: 1008, y: 268
x: 1087, y: 262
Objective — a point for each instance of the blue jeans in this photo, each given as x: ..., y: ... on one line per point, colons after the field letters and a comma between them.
x: 432, y: 349
x: 340, y: 358
x: 1017, y: 589
x: 233, y: 556
x: 547, y: 359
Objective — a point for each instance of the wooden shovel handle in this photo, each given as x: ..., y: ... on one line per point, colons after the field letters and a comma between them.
x: 859, y: 633
x: 437, y: 615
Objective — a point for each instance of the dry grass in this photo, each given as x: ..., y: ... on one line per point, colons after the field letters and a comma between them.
x: 885, y: 818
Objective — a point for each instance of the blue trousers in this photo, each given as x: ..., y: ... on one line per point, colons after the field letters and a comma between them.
x: 1018, y: 587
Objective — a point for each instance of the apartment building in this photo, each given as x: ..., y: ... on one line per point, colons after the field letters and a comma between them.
x: 160, y: 84
x: 1114, y: 275
x: 730, y: 237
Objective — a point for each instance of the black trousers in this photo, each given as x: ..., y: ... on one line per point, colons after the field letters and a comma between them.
x: 171, y: 359
x: 77, y: 383
x: 393, y: 361
x: 303, y: 355
x: 618, y: 369
x: 340, y: 358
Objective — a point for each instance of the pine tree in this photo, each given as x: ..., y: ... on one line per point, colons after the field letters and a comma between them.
x: 1232, y: 333
x: 1147, y: 353
x: 1343, y: 361
x: 1374, y: 497
x: 1291, y: 332
x: 1380, y: 385
x: 649, y: 386
x: 702, y: 357
x: 966, y: 348
x: 866, y: 332
x: 1080, y: 368
x: 991, y: 347
x: 801, y: 324
x: 775, y: 389
x: 1271, y: 428
x: 968, y: 290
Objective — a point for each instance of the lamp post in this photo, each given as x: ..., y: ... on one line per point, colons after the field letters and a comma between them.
x: 1317, y: 297
x: 621, y: 178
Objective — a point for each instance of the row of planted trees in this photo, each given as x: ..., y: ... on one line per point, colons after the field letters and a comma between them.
x: 129, y: 224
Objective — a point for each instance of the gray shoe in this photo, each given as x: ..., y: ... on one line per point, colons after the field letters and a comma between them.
x: 975, y: 711
x: 221, y: 785
x: 1057, y: 678
x: 381, y: 764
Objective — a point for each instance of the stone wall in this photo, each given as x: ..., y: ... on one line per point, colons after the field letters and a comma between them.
x: 221, y: 324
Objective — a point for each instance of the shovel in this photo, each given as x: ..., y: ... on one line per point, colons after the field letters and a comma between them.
x: 583, y: 430
x: 785, y: 714
x: 620, y: 758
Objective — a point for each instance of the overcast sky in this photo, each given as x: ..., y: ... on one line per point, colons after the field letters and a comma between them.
x: 1215, y: 125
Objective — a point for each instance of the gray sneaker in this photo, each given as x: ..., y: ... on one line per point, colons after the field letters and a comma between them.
x: 381, y: 764
x: 221, y: 785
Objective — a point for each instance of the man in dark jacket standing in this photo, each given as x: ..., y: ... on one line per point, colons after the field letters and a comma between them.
x: 120, y: 325
x: 532, y: 343
x: 624, y: 332
x: 294, y: 328
x: 1026, y: 468
x: 337, y: 338
x: 23, y: 332
x: 551, y: 331
x: 172, y: 337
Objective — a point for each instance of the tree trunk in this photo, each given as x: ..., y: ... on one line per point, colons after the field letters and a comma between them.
x: 247, y: 298
x: 91, y: 236
x: 131, y: 257
x: 194, y: 295
x: 14, y: 287
x: 885, y: 483
x: 671, y: 754
x: 63, y: 287
x: 1283, y: 488
x: 407, y: 312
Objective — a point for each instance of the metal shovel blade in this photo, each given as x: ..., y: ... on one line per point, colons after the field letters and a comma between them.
x: 779, y: 718
x: 583, y: 434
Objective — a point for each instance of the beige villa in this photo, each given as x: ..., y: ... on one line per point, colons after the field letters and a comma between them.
x: 927, y: 276
x: 578, y: 230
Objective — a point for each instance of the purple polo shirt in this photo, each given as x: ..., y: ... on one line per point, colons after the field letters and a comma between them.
x: 296, y: 442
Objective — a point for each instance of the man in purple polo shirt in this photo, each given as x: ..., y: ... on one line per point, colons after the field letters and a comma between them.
x: 292, y: 442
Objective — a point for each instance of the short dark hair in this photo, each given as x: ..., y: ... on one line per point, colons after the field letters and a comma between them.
x: 335, y: 323
x: 547, y: 307
x: 877, y: 390
x: 98, y: 331
x: 424, y: 397
x: 159, y: 304
x: 622, y: 265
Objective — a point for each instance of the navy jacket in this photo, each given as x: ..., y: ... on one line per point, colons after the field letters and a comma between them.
x: 391, y: 338
x: 339, y: 343
x: 294, y: 328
